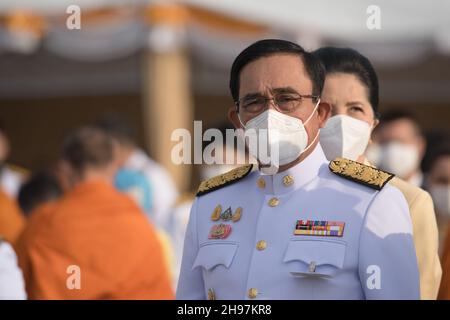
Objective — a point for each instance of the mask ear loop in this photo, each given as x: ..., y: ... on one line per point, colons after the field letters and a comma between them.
x: 312, y: 142
x: 318, y: 131
x: 240, y: 121
x: 314, y: 111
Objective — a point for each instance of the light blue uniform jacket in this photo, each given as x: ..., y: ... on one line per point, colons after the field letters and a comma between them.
x: 373, y: 259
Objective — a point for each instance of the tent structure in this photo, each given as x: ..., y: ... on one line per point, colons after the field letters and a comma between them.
x: 155, y: 48
x: 410, y: 33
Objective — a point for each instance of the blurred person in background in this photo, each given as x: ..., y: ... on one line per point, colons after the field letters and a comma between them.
x: 136, y: 185
x: 351, y: 88
x: 94, y: 228
x: 400, y: 146
x: 12, y: 286
x: 438, y: 183
x: 11, y: 176
x: 12, y: 220
x: 42, y: 187
x: 137, y: 176
x: 134, y: 158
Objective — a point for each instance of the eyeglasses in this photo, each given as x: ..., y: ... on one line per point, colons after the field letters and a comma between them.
x: 283, y: 102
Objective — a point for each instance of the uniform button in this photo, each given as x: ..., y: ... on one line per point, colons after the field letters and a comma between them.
x: 211, y: 294
x: 288, y: 180
x: 252, y: 293
x: 273, y: 202
x: 261, y: 183
x: 261, y: 245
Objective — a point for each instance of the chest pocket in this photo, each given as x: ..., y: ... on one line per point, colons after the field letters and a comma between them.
x: 214, y: 254
x: 314, y: 257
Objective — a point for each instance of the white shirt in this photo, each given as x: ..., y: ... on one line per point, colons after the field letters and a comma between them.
x: 12, y: 286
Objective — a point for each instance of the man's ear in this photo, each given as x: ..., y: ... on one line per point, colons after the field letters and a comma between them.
x: 324, y: 113
x: 233, y: 117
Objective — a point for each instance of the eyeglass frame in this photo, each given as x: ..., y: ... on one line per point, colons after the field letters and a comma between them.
x: 266, y: 99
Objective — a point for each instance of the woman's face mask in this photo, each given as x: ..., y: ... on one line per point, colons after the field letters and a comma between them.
x: 347, y: 133
x: 344, y: 136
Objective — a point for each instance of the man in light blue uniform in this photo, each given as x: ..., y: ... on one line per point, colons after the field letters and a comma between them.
x: 310, y: 230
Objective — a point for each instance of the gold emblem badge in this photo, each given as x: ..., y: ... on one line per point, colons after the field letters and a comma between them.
x: 237, y: 214
x: 220, y: 231
x: 216, y: 213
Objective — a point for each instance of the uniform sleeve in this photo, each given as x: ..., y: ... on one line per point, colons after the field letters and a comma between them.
x: 387, y: 259
x: 12, y: 286
x: 190, y: 283
x: 426, y: 241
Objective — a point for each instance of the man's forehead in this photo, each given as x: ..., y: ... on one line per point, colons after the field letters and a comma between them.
x: 275, y: 71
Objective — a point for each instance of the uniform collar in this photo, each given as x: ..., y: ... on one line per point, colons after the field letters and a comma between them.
x: 295, y: 177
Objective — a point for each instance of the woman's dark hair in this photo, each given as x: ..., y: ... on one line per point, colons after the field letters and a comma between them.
x: 267, y: 47
x: 347, y: 60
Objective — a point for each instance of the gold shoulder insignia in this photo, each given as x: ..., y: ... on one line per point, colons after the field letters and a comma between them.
x: 223, y: 179
x: 360, y: 173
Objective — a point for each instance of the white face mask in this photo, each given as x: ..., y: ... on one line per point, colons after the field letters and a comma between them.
x: 283, y: 137
x: 441, y: 199
x: 398, y: 158
x: 344, y: 136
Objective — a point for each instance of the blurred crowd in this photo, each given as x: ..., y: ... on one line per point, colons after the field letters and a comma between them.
x: 108, y: 209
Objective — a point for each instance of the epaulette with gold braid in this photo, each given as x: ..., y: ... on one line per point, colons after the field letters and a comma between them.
x: 360, y: 173
x: 223, y: 180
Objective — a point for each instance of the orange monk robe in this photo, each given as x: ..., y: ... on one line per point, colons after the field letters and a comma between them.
x: 104, y: 233
x: 444, y: 291
x: 12, y: 220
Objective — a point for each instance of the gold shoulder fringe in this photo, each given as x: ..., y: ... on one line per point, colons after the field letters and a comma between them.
x: 360, y: 173
x: 223, y: 180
